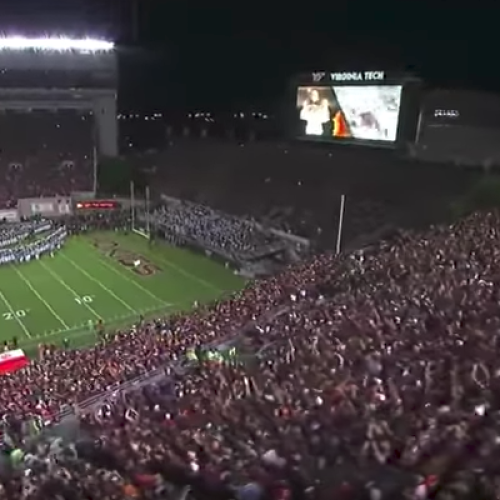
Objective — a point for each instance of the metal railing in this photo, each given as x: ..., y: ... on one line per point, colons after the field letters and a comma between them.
x: 179, y: 367
x: 82, y: 335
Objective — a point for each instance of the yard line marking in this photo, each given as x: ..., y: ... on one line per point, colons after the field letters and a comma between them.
x: 40, y: 298
x: 124, y: 276
x: 82, y: 331
x: 76, y: 295
x: 104, y: 287
x: 14, y: 315
x: 187, y: 274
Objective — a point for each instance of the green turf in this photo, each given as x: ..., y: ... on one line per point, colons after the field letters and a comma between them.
x: 55, y: 297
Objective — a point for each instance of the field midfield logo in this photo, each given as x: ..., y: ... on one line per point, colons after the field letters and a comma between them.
x: 131, y: 260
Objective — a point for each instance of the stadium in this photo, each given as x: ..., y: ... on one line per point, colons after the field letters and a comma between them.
x: 320, y: 322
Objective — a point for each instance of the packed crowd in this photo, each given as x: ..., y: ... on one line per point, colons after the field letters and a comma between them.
x: 369, y: 375
x: 214, y: 230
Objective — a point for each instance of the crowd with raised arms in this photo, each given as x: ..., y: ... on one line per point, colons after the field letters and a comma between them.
x: 212, y: 229
x: 376, y: 377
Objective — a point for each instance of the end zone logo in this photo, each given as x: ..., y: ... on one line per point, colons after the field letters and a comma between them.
x: 135, y: 262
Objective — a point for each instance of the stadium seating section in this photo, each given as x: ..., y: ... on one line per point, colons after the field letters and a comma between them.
x: 373, y: 374
x: 298, y: 187
x: 44, y: 153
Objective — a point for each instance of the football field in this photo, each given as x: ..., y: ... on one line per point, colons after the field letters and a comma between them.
x: 111, y: 277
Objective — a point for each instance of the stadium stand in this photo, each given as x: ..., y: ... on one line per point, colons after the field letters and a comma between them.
x: 367, y: 375
x: 371, y: 373
x: 299, y: 187
x: 45, y: 153
x: 214, y: 230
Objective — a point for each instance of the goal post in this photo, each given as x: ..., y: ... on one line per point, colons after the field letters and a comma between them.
x: 140, y: 219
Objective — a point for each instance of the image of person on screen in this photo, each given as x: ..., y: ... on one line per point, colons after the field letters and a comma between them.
x: 371, y: 112
x: 315, y: 112
x: 340, y: 127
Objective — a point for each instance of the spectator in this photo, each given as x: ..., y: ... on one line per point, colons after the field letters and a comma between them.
x: 365, y: 375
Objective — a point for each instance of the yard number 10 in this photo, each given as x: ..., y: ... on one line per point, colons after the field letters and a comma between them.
x: 86, y: 299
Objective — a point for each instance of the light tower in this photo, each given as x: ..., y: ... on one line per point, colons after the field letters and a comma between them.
x: 59, y: 73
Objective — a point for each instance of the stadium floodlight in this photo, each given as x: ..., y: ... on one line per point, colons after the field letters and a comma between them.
x: 58, y: 44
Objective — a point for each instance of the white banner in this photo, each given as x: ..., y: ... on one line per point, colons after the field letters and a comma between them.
x: 48, y: 207
x: 42, y: 208
x: 9, y: 215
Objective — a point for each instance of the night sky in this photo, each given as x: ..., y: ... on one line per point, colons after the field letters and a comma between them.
x: 188, y: 54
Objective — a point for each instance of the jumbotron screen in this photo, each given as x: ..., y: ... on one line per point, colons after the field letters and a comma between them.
x: 357, y: 112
